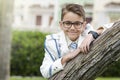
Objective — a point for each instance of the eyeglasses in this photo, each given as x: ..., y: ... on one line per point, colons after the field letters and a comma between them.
x: 68, y: 24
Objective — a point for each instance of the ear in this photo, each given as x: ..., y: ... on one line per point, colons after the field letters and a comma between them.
x: 84, y: 25
x: 60, y: 24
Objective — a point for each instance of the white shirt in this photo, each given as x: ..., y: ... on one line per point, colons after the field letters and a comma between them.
x: 106, y: 26
x: 56, y: 46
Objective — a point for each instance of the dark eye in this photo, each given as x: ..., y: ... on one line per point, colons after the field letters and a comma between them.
x: 78, y: 23
x: 67, y: 23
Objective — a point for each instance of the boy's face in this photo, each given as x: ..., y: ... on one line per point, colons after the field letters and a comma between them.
x: 72, y: 25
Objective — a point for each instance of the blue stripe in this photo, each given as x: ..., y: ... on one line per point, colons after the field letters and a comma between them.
x: 50, y: 70
x: 48, y: 51
x: 59, y: 55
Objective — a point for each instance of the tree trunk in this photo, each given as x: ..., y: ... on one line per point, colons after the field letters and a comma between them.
x: 104, y: 51
x: 5, y: 37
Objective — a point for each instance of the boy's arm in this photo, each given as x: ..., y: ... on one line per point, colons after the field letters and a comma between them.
x: 51, y: 64
x: 70, y: 56
x: 91, y: 36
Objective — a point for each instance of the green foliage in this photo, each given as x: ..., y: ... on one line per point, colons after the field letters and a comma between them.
x: 40, y: 78
x: 27, y: 52
x: 108, y: 78
x: 26, y: 78
x: 113, y: 70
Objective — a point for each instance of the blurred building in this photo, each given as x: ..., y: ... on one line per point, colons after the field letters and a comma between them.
x: 45, y: 15
x: 105, y: 11
x: 34, y: 14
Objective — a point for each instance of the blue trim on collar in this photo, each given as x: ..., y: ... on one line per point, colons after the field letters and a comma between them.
x: 48, y: 51
x: 58, y: 50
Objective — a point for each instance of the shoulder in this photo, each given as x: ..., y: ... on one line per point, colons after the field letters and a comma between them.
x: 54, y: 36
x: 108, y: 25
x: 89, y: 26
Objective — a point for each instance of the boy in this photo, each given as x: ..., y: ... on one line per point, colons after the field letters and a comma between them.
x: 74, y: 38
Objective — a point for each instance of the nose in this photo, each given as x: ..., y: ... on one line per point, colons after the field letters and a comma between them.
x: 72, y: 26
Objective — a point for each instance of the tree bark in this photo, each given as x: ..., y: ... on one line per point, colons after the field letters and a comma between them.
x: 5, y: 37
x: 104, y: 51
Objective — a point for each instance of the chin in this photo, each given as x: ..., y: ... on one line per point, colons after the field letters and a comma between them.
x: 73, y: 38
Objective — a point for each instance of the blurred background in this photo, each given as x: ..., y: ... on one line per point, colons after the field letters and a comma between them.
x: 32, y: 20
x: 45, y: 15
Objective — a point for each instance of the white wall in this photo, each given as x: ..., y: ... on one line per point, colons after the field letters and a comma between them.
x: 100, y: 14
x: 29, y: 15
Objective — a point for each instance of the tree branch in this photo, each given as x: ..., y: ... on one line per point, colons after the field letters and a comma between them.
x: 104, y: 51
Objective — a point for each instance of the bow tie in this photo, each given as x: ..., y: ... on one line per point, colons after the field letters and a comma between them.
x: 73, y: 45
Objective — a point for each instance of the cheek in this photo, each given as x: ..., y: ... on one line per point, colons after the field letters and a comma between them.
x: 62, y: 28
x: 82, y: 29
x: 83, y: 26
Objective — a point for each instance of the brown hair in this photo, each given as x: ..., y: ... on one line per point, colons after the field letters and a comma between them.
x: 75, y: 8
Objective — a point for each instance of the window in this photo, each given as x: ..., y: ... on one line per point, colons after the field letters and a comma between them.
x: 50, y: 20
x: 38, y: 20
x: 21, y: 18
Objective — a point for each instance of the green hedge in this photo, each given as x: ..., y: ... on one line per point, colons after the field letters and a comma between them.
x: 27, y: 53
x: 113, y: 70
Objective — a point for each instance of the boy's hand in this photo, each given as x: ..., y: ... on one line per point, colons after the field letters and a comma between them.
x: 70, y: 56
x: 84, y: 47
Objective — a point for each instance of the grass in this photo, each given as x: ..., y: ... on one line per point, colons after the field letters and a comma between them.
x: 110, y: 78
x: 26, y: 78
x: 40, y: 78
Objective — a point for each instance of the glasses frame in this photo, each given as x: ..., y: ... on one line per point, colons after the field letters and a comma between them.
x: 72, y: 23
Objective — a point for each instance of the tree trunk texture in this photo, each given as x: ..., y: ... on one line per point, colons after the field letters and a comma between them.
x: 104, y: 51
x: 5, y: 38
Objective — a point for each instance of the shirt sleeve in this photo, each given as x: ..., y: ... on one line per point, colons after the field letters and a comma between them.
x: 106, y: 26
x: 88, y: 28
x: 50, y: 64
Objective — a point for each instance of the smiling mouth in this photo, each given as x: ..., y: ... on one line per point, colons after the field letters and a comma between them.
x: 72, y: 33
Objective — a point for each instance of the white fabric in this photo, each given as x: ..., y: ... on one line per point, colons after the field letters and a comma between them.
x: 106, y: 26
x: 51, y: 66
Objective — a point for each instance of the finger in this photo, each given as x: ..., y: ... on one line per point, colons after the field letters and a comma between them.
x: 84, y: 49
x: 81, y: 49
x: 87, y: 47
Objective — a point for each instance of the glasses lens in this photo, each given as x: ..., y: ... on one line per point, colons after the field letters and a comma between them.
x: 78, y: 25
x: 67, y: 24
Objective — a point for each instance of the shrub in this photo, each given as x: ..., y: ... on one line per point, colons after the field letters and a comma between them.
x: 113, y: 70
x: 27, y: 53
